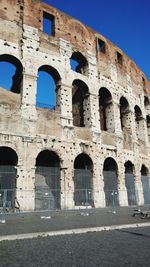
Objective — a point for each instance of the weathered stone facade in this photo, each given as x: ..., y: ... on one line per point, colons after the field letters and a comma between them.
x: 100, y: 123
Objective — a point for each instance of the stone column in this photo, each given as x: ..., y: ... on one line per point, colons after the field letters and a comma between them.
x: 25, y: 188
x: 28, y: 105
x: 117, y: 121
x: 67, y: 186
x: 98, y: 189
x: 138, y: 186
x: 122, y: 191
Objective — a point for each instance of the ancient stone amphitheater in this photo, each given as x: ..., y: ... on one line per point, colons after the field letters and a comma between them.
x: 92, y: 147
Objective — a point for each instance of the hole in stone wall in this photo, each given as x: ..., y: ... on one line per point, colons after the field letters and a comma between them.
x: 124, y: 112
x: 47, y: 85
x: 80, y: 95
x: 11, y: 73
x: 101, y: 46
x: 105, y: 106
x: 48, y: 24
x: 79, y: 63
x: 119, y: 58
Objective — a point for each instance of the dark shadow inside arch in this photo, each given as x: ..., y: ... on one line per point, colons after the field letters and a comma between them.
x: 124, y: 114
x: 130, y: 184
x: 48, y: 85
x: 105, y: 110
x: 145, y: 184
x: 80, y: 96
x: 83, y: 175
x: 110, y: 170
x: 8, y: 174
x: 47, y: 181
x: 11, y: 70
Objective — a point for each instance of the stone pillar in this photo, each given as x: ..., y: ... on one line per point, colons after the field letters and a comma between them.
x: 133, y: 128
x: 98, y: 184
x: 28, y: 106
x: 67, y: 186
x: 65, y: 105
x: 94, y: 114
x: 138, y: 186
x: 122, y: 191
x: 25, y: 188
x: 117, y: 121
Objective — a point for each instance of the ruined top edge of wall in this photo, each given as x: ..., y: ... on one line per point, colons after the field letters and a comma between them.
x: 81, y: 37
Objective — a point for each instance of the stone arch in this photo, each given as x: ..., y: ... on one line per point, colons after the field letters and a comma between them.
x: 125, y: 115
x: 17, y: 78
x: 106, y: 112
x: 8, y: 175
x: 148, y: 126
x: 78, y: 30
x: 129, y: 183
x: 110, y: 174
x: 48, y: 87
x: 83, y: 180
x: 145, y: 179
x: 47, y: 181
x: 79, y: 63
x: 139, y: 122
x: 80, y: 103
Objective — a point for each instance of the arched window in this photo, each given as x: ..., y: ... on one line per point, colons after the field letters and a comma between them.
x: 8, y: 174
x: 11, y: 73
x: 48, y: 85
x: 47, y: 181
x: 145, y: 184
x: 148, y: 126
x: 110, y: 175
x: 138, y: 122
x: 83, y: 174
x: 129, y: 183
x: 80, y: 104
x: 106, y: 112
x: 79, y: 63
x: 125, y: 115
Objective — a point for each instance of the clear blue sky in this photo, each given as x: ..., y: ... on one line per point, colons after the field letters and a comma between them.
x: 126, y: 23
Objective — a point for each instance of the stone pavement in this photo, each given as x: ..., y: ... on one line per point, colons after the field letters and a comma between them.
x: 68, y: 221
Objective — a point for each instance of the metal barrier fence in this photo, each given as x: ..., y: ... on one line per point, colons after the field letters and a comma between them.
x: 53, y: 199
x: 7, y: 200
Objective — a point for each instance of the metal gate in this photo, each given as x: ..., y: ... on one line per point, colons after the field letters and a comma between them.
x: 82, y: 187
x: 130, y: 186
x: 47, y: 188
x: 110, y: 188
x: 7, y: 187
x: 146, y: 188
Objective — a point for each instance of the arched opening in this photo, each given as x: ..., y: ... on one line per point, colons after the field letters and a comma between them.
x: 80, y: 104
x: 125, y: 115
x: 11, y: 73
x: 146, y: 102
x: 106, y: 112
x: 148, y: 126
x: 129, y: 183
x: 83, y: 174
x: 48, y: 86
x: 47, y: 181
x: 145, y: 184
x: 139, y: 122
x: 8, y: 174
x: 110, y: 175
x: 79, y: 63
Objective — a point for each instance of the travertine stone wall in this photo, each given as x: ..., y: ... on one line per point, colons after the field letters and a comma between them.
x: 28, y: 130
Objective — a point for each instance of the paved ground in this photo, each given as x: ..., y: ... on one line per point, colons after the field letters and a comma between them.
x: 60, y: 220
x: 118, y: 248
